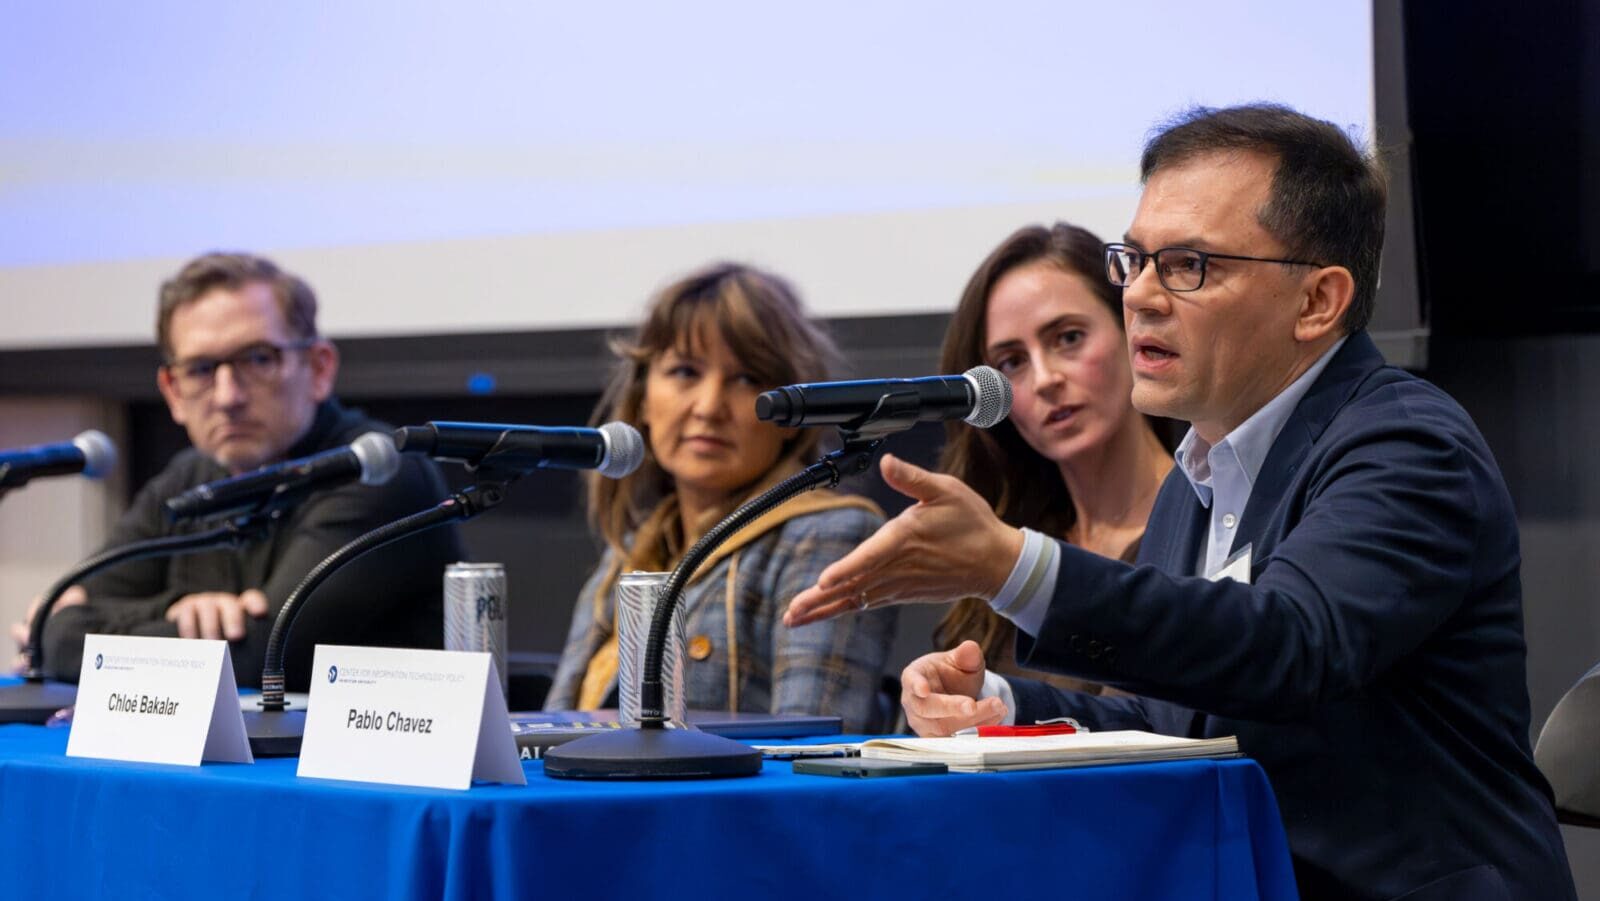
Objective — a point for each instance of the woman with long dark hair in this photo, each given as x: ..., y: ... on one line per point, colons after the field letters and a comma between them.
x: 1074, y: 460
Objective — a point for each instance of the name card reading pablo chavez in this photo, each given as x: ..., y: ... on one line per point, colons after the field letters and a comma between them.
x: 158, y: 700
x: 407, y: 717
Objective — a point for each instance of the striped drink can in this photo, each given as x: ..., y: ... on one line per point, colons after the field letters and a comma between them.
x: 636, y: 596
x: 475, y: 611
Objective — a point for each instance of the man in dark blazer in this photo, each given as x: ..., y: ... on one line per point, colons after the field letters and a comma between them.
x: 1331, y: 572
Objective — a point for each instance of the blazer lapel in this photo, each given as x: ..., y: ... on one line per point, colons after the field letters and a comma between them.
x: 1176, y: 528
x: 1272, y: 484
x: 1353, y: 364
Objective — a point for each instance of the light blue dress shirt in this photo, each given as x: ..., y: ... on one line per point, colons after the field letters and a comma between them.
x: 1221, y: 475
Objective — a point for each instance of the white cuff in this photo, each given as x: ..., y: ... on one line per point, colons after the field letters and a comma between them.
x: 1025, y: 597
x: 995, y: 686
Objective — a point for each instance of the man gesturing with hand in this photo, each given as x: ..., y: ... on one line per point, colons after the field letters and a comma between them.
x: 1331, y: 570
x: 948, y: 544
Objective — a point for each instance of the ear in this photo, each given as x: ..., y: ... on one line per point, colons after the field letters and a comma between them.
x: 169, y: 393
x: 323, y: 358
x: 1326, y: 295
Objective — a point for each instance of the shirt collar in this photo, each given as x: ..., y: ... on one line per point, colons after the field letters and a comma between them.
x: 1251, y: 441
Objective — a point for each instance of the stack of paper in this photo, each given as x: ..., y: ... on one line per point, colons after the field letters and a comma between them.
x: 972, y: 754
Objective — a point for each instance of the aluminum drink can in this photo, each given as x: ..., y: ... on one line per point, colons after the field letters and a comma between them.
x: 475, y: 611
x: 636, y: 596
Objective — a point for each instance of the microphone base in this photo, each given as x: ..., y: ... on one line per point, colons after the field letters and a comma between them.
x: 652, y: 754
x: 275, y: 733
x: 35, y: 702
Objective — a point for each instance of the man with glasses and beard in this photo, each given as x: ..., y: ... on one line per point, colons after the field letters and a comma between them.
x: 251, y: 382
x: 1330, y: 572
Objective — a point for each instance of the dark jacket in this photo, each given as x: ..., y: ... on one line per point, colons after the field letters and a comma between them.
x: 390, y: 597
x: 1375, y: 667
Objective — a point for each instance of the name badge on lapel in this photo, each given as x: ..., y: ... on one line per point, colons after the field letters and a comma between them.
x: 1236, y: 567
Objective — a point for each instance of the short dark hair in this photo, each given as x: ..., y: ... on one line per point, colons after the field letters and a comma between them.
x: 233, y: 271
x: 1327, y: 198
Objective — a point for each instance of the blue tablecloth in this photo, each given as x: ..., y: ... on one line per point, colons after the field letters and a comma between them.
x: 87, y: 828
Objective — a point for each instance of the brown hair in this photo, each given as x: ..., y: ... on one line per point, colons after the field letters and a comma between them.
x: 1327, y: 199
x: 233, y: 271
x: 759, y: 317
x: 1023, y: 488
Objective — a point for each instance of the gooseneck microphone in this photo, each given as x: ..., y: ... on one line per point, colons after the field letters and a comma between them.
x: 866, y: 414
x: 614, y: 449
x: 372, y: 459
x: 91, y: 453
x: 274, y: 730
x: 981, y: 396
x: 38, y: 698
x: 498, y: 456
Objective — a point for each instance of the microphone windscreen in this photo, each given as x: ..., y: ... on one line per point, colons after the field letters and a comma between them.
x: 380, y: 460
x: 624, y: 450
x: 99, y: 453
x: 994, y: 396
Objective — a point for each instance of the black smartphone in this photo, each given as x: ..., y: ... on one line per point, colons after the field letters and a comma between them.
x: 867, y: 767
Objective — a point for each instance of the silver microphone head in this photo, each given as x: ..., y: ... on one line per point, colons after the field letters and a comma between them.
x: 380, y: 460
x: 624, y: 450
x: 99, y: 453
x: 993, y: 392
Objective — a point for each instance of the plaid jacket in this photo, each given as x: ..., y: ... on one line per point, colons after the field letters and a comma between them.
x: 755, y: 663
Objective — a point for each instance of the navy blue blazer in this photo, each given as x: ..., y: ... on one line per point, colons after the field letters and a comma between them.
x: 1375, y: 666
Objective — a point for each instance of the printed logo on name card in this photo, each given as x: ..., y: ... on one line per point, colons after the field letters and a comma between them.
x: 158, y: 700
x: 408, y: 717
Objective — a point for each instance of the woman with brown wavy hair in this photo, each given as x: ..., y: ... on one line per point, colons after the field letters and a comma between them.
x: 1074, y: 460
x: 688, y: 380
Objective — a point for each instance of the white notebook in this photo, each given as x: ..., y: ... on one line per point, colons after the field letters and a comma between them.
x: 974, y: 754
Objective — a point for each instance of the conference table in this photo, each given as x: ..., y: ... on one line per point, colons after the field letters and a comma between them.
x: 82, y: 828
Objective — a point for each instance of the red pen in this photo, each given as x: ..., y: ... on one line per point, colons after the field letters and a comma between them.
x: 1064, y: 726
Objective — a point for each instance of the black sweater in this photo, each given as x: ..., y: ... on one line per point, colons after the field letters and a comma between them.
x: 388, y: 598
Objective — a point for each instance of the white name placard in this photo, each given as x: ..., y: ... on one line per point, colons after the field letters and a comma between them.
x: 407, y: 717
x: 158, y: 700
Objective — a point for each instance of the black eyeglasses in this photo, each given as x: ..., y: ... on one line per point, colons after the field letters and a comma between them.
x: 1178, y: 268
x: 258, y: 364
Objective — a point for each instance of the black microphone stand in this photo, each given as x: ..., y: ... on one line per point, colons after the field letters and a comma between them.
x: 275, y: 730
x: 653, y: 751
x: 37, y: 698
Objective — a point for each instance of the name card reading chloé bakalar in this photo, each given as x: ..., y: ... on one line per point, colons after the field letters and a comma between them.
x: 157, y: 700
x: 407, y: 717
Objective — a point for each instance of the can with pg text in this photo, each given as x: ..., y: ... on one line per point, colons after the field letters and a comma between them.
x: 475, y: 611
